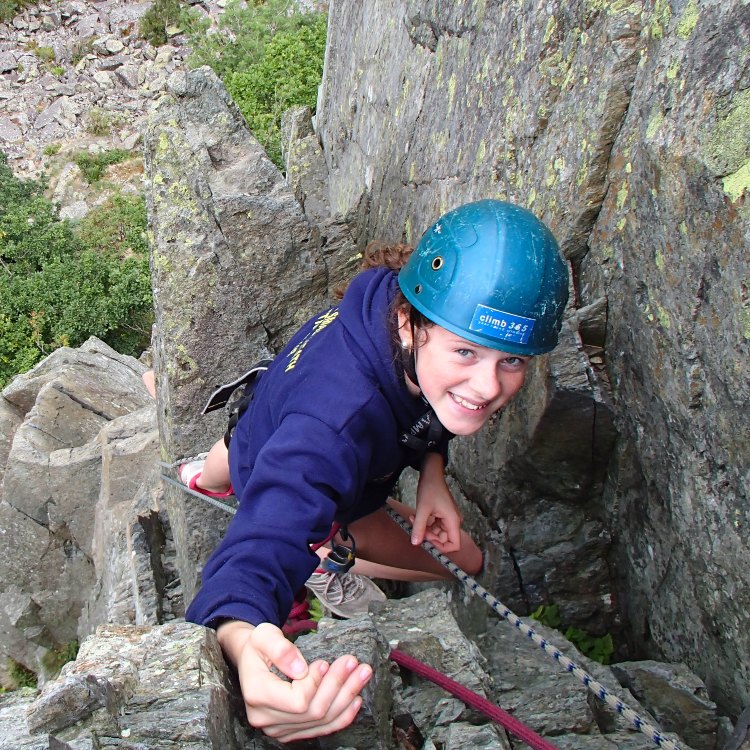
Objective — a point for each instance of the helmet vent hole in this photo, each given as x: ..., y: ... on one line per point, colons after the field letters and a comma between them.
x: 437, y: 263
x: 418, y: 289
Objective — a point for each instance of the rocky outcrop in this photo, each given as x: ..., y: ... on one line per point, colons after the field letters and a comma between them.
x: 236, y: 267
x: 82, y: 520
x: 167, y: 687
x: 78, y: 77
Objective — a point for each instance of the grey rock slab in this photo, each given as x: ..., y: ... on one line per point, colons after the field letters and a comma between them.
x: 14, y: 733
x: 164, y: 687
x: 9, y: 131
x: 230, y: 244
x: 8, y: 61
x: 102, y: 380
x: 676, y: 697
x: 360, y: 637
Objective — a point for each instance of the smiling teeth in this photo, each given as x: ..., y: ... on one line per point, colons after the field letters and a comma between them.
x: 467, y: 404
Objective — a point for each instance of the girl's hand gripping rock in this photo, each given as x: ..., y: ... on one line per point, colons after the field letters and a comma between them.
x: 318, y: 699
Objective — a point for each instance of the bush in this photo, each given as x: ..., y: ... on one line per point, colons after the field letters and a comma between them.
x: 597, y: 648
x: 45, y: 54
x: 100, y: 122
x: 61, y: 283
x: 154, y: 23
x: 93, y: 165
x: 10, y: 8
x: 287, y: 75
x: 20, y: 675
x: 55, y: 659
x: 270, y: 57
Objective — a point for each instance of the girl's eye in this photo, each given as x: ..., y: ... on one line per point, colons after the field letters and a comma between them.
x: 464, y: 352
x: 515, y: 362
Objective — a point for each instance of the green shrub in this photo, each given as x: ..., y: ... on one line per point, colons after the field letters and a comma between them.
x: 270, y: 57
x: 100, y: 122
x: 54, y: 660
x: 61, y: 283
x: 57, y: 70
x: 154, y: 23
x: 93, y: 165
x: 52, y: 148
x: 20, y: 675
x: 288, y: 74
x: 10, y: 8
x: 45, y: 54
x: 597, y: 648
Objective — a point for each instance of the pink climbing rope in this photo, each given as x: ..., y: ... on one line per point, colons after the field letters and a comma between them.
x: 472, y: 699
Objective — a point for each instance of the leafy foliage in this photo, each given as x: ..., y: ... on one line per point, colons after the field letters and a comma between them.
x: 55, y: 660
x: 10, y: 8
x: 547, y: 614
x: 93, y: 165
x: 20, y: 675
x: 61, y: 283
x: 154, y: 23
x: 270, y: 57
x: 316, y: 609
x: 45, y: 54
x: 598, y: 648
x: 100, y: 122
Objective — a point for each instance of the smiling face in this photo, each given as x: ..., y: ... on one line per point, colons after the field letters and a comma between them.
x: 463, y: 382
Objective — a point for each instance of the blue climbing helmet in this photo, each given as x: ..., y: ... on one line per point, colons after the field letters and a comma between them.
x: 490, y: 272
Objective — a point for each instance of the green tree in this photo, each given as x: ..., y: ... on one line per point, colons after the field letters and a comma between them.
x: 269, y: 55
x: 162, y: 14
x: 61, y: 282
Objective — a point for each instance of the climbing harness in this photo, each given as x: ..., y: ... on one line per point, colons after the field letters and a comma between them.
x: 297, y: 624
x: 341, y: 557
x: 551, y: 650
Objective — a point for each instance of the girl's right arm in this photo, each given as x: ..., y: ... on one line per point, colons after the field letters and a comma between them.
x: 317, y: 700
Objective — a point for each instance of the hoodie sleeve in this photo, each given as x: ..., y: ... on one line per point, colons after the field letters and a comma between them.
x: 303, y: 476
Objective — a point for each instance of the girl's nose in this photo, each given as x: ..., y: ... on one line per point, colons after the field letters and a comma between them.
x: 485, y: 382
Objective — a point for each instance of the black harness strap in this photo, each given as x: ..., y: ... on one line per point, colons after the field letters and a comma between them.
x: 425, y: 434
x: 220, y: 397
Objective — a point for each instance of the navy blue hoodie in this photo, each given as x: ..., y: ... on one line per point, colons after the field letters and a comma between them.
x: 320, y: 442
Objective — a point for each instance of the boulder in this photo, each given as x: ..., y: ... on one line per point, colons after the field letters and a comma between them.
x: 82, y: 439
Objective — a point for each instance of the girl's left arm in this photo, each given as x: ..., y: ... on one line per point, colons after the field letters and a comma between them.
x: 437, y: 519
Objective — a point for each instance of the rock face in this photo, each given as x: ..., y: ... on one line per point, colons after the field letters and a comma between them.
x: 236, y: 267
x: 74, y: 511
x: 624, y: 126
x: 167, y: 687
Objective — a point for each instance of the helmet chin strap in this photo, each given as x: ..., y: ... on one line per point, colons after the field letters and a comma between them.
x: 409, y: 358
x: 427, y: 432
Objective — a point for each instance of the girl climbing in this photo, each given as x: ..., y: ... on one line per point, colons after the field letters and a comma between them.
x: 383, y: 381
